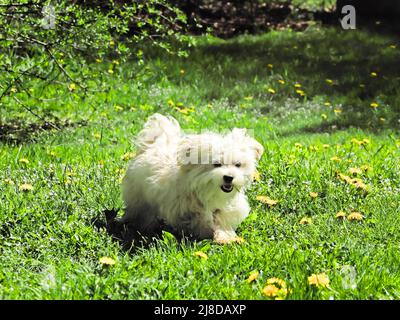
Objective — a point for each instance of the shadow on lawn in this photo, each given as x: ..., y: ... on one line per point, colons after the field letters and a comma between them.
x: 352, y: 69
x: 127, y: 235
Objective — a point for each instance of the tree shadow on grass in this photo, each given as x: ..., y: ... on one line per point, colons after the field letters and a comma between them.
x: 350, y: 68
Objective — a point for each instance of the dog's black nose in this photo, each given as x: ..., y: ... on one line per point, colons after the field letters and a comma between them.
x: 228, y: 179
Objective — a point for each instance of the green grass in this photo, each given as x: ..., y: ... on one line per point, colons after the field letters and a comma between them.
x: 50, y: 249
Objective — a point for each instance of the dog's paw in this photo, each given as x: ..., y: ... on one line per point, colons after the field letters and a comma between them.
x: 226, y: 237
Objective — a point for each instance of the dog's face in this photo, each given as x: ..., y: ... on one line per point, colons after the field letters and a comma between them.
x: 219, y: 164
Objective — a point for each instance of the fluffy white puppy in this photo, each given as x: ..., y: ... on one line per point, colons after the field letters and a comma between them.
x: 194, y: 183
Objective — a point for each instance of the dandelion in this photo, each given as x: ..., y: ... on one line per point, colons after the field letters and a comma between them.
x: 275, y: 288
x: 270, y: 66
x: 313, y: 195
x: 71, y: 87
x: 9, y: 181
x: 116, y: 62
x: 281, y: 81
x: 355, y: 171
x: 318, y: 280
x: 298, y: 145
x: 362, y: 85
x: 325, y: 146
x: 248, y: 98
x: 306, y: 220
x: 297, y: 85
x: 266, y: 200
x: 13, y: 89
x: 256, y: 176
x: 26, y: 187
x: 373, y: 74
x: 201, y: 255
x: 329, y: 81
x: 97, y: 135
x: 355, y: 216
x: 374, y: 105
x: 301, y: 93
x: 112, y: 43
x: 118, y: 108
x: 336, y: 159
x: 127, y: 156
x: 107, y: 261
x: 253, y: 276
x: 338, y: 111
x: 98, y: 60
x: 324, y: 116
x: 110, y: 71
x: 270, y: 90
x: 392, y: 46
x: 270, y: 290
x: 340, y: 215
x: 24, y: 161
x: 327, y: 103
x: 365, y: 168
x: 382, y: 119
x: 182, y: 72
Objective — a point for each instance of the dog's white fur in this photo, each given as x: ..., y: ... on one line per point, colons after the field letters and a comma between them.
x: 179, y: 178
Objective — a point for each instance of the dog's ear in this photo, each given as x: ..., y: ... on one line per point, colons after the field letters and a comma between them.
x: 241, y: 135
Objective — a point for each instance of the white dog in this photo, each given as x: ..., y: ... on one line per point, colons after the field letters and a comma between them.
x: 194, y: 183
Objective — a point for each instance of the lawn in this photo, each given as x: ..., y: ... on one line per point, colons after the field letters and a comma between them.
x: 325, y: 105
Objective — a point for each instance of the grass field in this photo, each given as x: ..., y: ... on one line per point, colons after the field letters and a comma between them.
x: 325, y: 105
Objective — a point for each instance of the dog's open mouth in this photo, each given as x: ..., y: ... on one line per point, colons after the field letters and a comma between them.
x: 227, y: 187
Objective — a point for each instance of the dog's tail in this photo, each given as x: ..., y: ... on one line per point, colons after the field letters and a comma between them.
x: 158, y: 129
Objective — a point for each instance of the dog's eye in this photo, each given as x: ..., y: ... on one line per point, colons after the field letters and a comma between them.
x: 238, y: 164
x: 217, y: 164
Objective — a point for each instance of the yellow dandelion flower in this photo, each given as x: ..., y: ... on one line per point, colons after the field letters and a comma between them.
x: 110, y: 71
x: 23, y: 161
x: 392, y: 46
x: 328, y: 104
x: 13, y: 89
x: 112, y: 43
x: 253, y: 276
x: 127, y: 156
x: 9, y: 181
x: 374, y: 105
x: 97, y: 135
x: 116, y: 62
x: 266, y: 200
x: 107, y: 261
x: 355, y: 171
x: 362, y: 85
x: 306, y: 220
x: 301, y: 92
x: 248, y: 98
x: 324, y: 116
x: 270, y: 66
x: 256, y: 176
x: 71, y: 87
x: 338, y: 111
x: 26, y: 187
x: 201, y: 255
x: 281, y: 81
x: 98, y: 60
x: 373, y: 74
x: 336, y: 159
x: 325, y: 146
x: 340, y: 215
x: 277, y: 281
x: 270, y: 291
x: 297, y: 85
x: 382, y: 119
x: 329, y: 81
x: 313, y: 195
x: 319, y: 280
x: 182, y: 72
x: 270, y: 90
x: 366, y: 141
x: 355, y: 216
x: 365, y: 168
x: 313, y: 148
x: 298, y: 145
x: 118, y: 108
